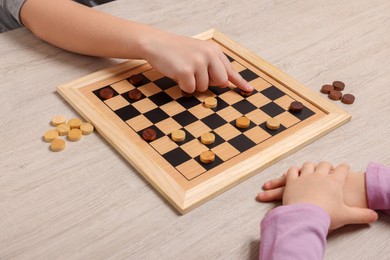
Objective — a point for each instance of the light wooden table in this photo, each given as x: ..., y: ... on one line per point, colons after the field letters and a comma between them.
x: 87, y: 202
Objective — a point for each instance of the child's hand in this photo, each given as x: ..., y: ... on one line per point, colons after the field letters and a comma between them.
x: 354, y: 190
x: 322, y: 185
x: 194, y: 64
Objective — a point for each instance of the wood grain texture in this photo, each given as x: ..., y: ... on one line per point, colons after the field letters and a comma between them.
x: 81, y: 205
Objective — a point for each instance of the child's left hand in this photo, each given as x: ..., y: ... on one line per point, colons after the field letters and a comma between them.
x: 322, y: 185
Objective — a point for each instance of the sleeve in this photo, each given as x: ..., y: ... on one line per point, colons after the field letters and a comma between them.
x: 13, y: 7
x: 294, y: 232
x: 378, y: 187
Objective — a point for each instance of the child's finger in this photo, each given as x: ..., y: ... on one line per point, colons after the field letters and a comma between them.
x: 359, y: 216
x: 340, y: 173
x: 234, y: 77
x: 217, y: 73
x: 324, y: 168
x: 275, y: 183
x: 186, y: 82
x: 308, y: 168
x: 271, y: 195
x: 292, y: 173
x: 202, y: 80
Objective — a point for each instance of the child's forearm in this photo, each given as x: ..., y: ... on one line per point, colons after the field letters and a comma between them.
x: 84, y: 30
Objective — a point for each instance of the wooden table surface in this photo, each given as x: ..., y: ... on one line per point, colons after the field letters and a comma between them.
x: 87, y: 202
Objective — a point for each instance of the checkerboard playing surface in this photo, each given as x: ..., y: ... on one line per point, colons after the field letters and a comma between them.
x: 175, y: 168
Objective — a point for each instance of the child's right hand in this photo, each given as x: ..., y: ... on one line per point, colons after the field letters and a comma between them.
x: 354, y: 189
x: 194, y: 64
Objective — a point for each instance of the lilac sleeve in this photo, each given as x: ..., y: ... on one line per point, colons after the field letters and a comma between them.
x: 378, y: 187
x: 294, y: 232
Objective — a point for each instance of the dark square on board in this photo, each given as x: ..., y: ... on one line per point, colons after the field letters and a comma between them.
x: 184, y: 118
x: 244, y: 106
x: 164, y: 83
x: 272, y: 93
x: 127, y: 112
x: 214, y: 121
x: 156, y: 115
x: 248, y: 75
x: 304, y: 114
x: 188, y: 102
x: 242, y: 143
x: 161, y: 98
x: 176, y: 157
x: 272, y: 109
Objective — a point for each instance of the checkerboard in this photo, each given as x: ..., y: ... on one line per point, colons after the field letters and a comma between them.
x: 175, y: 169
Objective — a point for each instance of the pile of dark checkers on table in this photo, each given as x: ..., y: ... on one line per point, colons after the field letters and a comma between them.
x: 334, y: 92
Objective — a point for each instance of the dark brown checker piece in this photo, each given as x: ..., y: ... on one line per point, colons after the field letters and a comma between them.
x: 348, y: 99
x: 135, y: 94
x: 149, y: 134
x: 338, y: 85
x: 106, y: 93
x: 136, y: 79
x: 335, y: 95
x: 246, y: 93
x: 186, y: 94
x: 296, y: 106
x: 326, y: 89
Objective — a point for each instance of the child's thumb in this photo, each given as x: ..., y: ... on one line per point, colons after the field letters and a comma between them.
x: 360, y: 216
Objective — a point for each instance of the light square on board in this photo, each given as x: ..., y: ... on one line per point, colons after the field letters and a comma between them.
x: 257, y: 116
x: 257, y: 135
x: 229, y: 113
x: 190, y: 169
x: 172, y: 108
x: 284, y: 101
x: 227, y: 131
x: 174, y: 92
x: 225, y: 151
x: 198, y: 128
x: 139, y: 122
x: 164, y: 145
x: 258, y: 99
x: 237, y: 66
x: 116, y: 102
x: 194, y: 148
x: 149, y: 89
x: 168, y: 125
x: 144, y: 105
x: 287, y: 119
x: 231, y: 97
x: 260, y: 84
x: 152, y: 74
x: 122, y: 86
x: 200, y: 111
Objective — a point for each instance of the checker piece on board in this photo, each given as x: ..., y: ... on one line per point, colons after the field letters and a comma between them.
x: 207, y: 157
x: 207, y: 138
x: 296, y: 106
x: 136, y: 79
x: 178, y: 135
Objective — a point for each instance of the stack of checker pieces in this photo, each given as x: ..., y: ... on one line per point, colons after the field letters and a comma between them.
x: 163, y: 108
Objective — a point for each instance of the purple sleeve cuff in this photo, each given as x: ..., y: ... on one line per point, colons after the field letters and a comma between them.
x: 378, y: 187
x: 294, y: 232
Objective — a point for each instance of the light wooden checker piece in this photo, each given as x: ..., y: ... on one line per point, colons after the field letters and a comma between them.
x: 175, y: 169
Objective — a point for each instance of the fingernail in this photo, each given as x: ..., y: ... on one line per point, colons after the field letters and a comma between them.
x: 249, y: 87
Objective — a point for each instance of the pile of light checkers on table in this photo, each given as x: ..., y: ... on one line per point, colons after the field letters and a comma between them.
x: 74, y: 129
x: 334, y: 92
x: 208, y: 138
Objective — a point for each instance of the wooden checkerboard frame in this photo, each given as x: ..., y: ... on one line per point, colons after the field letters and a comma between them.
x: 185, y: 195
